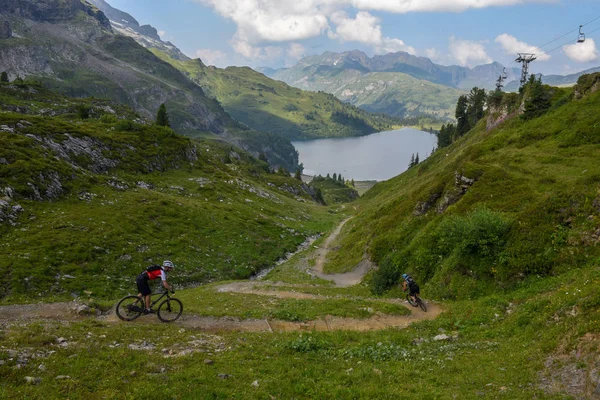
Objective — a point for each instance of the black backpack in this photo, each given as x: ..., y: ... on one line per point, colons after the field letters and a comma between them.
x: 154, y: 267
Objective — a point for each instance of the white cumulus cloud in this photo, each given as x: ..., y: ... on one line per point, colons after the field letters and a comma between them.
x: 265, y: 22
x: 405, y: 6
x: 365, y: 28
x: 582, y: 52
x: 468, y: 53
x: 212, y: 57
x: 512, y: 45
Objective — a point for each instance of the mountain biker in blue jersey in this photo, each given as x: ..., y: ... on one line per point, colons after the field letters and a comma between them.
x: 151, y: 273
x: 410, y: 284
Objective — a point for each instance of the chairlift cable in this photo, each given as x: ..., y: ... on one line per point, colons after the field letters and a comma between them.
x: 564, y: 44
x: 568, y: 33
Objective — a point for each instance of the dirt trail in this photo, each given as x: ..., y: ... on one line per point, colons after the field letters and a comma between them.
x: 341, y: 280
x: 67, y: 312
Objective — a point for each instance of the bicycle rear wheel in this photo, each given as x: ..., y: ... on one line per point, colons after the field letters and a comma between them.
x: 129, y: 308
x: 169, y: 310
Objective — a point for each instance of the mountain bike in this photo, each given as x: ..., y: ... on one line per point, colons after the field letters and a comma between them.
x: 417, y: 302
x: 131, y: 307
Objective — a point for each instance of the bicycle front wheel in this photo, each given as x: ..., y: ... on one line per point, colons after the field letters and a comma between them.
x: 169, y: 310
x: 422, y: 304
x: 129, y: 308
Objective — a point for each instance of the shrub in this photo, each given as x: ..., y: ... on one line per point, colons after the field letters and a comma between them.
x: 108, y: 118
x: 386, y: 276
x: 126, y: 125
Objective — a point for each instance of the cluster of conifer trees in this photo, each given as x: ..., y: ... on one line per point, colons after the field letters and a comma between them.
x: 469, y: 110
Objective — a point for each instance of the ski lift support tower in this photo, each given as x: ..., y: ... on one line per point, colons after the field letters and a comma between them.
x: 525, y: 58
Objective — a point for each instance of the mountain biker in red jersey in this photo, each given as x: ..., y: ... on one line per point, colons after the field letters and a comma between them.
x: 152, y: 273
x: 410, y: 284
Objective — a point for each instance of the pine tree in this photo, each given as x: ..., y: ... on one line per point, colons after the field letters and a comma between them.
x: 319, y: 196
x: 476, y: 99
x: 334, y: 176
x: 4, y: 77
x: 162, y: 117
x: 462, y: 118
x: 417, y: 159
x: 298, y: 174
x: 412, y: 161
x: 340, y: 179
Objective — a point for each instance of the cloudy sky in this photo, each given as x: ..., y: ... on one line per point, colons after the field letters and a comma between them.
x: 276, y: 33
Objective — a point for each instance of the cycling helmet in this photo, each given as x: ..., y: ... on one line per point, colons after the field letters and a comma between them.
x: 405, y: 276
x: 168, y: 264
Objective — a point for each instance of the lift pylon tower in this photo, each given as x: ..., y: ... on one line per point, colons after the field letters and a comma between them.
x: 500, y: 81
x: 525, y: 58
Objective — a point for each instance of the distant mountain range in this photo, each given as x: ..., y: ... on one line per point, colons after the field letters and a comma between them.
x: 399, y: 84
x: 556, y: 80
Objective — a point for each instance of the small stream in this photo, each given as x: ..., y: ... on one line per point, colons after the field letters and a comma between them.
x: 303, y: 246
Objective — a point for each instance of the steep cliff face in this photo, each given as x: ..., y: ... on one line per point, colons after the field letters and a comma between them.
x: 146, y: 35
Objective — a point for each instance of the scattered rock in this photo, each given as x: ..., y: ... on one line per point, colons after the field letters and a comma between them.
x: 255, y: 384
x: 42, y: 367
x: 62, y: 377
x: 144, y: 185
x: 33, y: 380
x: 208, y: 362
x: 145, y: 346
x: 443, y: 336
x: 224, y: 376
x: 61, y: 340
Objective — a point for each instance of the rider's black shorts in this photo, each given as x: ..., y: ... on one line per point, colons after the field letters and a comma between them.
x: 414, y: 289
x: 142, y: 284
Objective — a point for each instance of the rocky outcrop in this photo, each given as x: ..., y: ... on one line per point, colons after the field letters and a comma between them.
x: 586, y: 84
x: 451, y: 196
x: 5, y: 30
x: 422, y: 207
x: 52, y: 10
x: 461, y: 185
x: 497, y: 115
x: 9, y: 212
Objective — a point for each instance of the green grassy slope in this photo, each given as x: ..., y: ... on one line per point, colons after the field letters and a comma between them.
x: 492, y: 209
x: 88, y: 203
x: 534, y: 342
x: 273, y: 106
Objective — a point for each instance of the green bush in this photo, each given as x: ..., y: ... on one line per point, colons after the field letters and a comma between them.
x: 386, y: 276
x: 108, y: 119
x: 126, y: 125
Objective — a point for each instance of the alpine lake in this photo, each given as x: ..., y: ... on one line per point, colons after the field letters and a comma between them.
x: 376, y: 157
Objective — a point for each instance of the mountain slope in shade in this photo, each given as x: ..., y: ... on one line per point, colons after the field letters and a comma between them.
x: 70, y: 46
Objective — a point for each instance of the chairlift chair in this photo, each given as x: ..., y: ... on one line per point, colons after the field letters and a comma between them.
x: 581, y: 37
